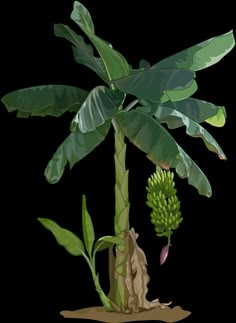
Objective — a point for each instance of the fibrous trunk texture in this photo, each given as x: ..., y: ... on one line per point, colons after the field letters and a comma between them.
x: 135, y: 279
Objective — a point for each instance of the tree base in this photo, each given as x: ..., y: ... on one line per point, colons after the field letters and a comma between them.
x: 155, y: 314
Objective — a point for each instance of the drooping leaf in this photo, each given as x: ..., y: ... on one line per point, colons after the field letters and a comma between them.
x: 177, y: 94
x: 159, y: 84
x: 88, y: 231
x: 200, y: 56
x: 76, y: 146
x: 175, y: 119
x: 151, y: 137
x: 107, y: 241
x: 83, y: 53
x: 53, y: 100
x: 218, y: 120
x: 115, y: 63
x: 197, y: 110
x: 64, y: 237
x: 101, y: 104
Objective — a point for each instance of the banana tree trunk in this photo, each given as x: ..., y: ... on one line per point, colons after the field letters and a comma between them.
x: 127, y: 268
x: 119, y: 292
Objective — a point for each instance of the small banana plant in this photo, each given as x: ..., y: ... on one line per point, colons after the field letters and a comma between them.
x: 88, y: 249
x: 162, y: 198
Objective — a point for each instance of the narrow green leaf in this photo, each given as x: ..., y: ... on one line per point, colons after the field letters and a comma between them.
x: 116, y: 65
x: 151, y: 137
x: 101, y: 105
x: 83, y: 53
x: 200, y: 56
x: 53, y: 100
x: 107, y: 241
x: 76, y: 146
x: 102, y: 245
x: 175, y: 119
x: 197, y: 110
x: 88, y: 231
x: 153, y: 84
x: 64, y: 237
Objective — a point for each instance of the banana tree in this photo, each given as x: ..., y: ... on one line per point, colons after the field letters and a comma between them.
x: 162, y: 100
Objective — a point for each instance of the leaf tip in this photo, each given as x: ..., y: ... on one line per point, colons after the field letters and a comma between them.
x: 83, y: 199
x: 222, y: 157
x: 43, y: 221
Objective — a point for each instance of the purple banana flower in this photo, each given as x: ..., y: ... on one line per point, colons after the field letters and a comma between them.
x: 164, y: 254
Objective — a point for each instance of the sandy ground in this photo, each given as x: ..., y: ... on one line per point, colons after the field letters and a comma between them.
x: 99, y: 314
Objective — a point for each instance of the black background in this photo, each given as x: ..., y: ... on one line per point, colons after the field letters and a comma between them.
x: 40, y: 279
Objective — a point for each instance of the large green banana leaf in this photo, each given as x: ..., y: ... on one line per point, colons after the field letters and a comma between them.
x: 200, y: 56
x: 159, y: 84
x: 53, y: 100
x: 75, y: 147
x: 151, y: 137
x: 83, y: 53
x: 175, y: 119
x: 197, y: 110
x: 115, y: 63
x: 101, y: 104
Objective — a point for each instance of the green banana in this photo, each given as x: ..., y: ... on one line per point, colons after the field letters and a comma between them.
x: 165, y: 205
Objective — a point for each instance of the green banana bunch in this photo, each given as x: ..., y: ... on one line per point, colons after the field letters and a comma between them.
x: 162, y: 198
